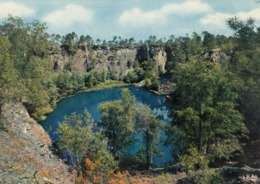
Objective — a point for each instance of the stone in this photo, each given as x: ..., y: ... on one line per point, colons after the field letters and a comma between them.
x: 23, y: 153
x: 115, y: 61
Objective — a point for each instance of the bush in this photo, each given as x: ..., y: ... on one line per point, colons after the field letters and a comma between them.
x: 86, y: 148
x: 164, y: 178
x: 193, y: 161
x: 131, y: 77
x: 205, y: 176
x: 196, y: 167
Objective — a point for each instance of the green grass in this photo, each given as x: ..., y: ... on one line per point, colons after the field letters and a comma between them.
x: 105, y: 85
x: 101, y: 86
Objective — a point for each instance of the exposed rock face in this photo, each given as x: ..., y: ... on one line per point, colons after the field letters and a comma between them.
x: 116, y: 62
x: 25, y: 156
x: 165, y: 88
x: 157, y: 53
x: 160, y: 58
x: 217, y: 56
x: 77, y: 62
x: 61, y: 60
x: 57, y: 62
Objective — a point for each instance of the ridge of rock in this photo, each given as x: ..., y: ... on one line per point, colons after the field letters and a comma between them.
x: 25, y: 151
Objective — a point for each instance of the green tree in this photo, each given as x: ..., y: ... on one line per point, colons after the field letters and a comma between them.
x: 182, y: 49
x: 195, y: 165
x: 208, y: 41
x: 82, y: 40
x: 69, y: 43
x: 245, y: 64
x: 29, y: 54
x: 131, y: 77
x: 90, y: 42
x: 27, y: 40
x: 55, y: 39
x: 78, y: 139
x: 206, y: 117
x: 117, y: 123
x: 11, y: 88
x: 148, y: 126
x: 37, y: 98
x: 151, y: 74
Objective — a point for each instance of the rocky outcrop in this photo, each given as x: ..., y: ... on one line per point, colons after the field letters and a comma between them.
x: 240, y: 174
x: 155, y: 52
x: 25, y: 155
x: 216, y: 56
x: 61, y: 60
x: 117, y: 62
x: 165, y: 88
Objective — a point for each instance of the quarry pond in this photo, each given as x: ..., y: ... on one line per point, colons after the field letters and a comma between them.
x: 90, y: 101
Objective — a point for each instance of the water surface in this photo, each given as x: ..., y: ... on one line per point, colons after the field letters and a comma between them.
x: 91, y: 100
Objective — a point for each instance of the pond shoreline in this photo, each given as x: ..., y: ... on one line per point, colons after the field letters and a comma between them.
x: 106, y: 85
x: 90, y: 101
x: 98, y: 87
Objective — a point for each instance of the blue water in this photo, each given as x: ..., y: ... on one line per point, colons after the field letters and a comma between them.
x: 91, y: 100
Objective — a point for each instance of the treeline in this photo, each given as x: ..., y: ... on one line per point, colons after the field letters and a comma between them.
x: 216, y: 93
x: 26, y: 70
x: 216, y: 99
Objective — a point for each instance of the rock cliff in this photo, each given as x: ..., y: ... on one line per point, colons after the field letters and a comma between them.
x: 216, y: 56
x: 117, y: 62
x: 155, y: 52
x: 25, y: 150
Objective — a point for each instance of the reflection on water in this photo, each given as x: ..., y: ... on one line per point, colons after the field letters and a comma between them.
x: 91, y: 100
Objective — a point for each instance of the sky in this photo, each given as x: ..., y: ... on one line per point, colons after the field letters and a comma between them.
x: 139, y: 19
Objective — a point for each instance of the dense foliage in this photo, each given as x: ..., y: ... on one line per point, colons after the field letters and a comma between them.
x: 205, y: 116
x: 26, y: 64
x: 93, y: 148
x: 122, y: 121
x: 216, y: 95
x: 84, y: 146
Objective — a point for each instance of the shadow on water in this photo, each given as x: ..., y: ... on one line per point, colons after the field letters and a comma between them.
x: 91, y: 100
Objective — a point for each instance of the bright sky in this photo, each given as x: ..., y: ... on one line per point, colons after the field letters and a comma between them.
x: 132, y: 18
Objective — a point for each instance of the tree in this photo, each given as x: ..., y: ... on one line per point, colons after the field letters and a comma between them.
x: 37, y: 98
x: 182, y: 49
x: 98, y: 41
x: 206, y: 117
x: 90, y: 42
x: 30, y: 62
x: 11, y: 88
x: 82, y: 40
x: 69, y: 43
x: 245, y: 64
x: 152, y: 39
x: 151, y: 74
x: 131, y: 41
x: 81, y: 143
x: 208, y: 40
x: 196, y: 167
x: 70, y: 39
x: 117, y: 123
x: 55, y: 39
x: 149, y: 127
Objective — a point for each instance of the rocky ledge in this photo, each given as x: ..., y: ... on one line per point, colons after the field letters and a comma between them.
x: 25, y: 154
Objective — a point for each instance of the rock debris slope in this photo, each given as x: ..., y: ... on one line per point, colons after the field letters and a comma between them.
x: 25, y: 156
